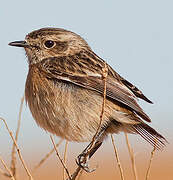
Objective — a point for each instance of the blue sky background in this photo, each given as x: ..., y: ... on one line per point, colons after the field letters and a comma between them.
x: 134, y: 37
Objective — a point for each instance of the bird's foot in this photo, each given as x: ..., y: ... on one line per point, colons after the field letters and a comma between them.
x: 82, y: 161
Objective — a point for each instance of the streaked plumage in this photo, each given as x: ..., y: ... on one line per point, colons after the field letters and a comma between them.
x: 64, y: 90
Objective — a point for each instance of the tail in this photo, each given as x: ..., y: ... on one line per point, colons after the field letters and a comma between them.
x: 150, y: 135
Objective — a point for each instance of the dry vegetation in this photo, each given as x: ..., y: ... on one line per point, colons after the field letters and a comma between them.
x: 11, y: 171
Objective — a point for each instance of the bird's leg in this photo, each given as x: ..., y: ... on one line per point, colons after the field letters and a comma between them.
x: 83, y: 158
x: 87, y: 153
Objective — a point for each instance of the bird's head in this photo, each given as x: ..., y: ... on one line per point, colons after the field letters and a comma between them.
x: 51, y: 42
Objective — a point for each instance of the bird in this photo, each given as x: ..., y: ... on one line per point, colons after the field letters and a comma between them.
x: 66, y: 86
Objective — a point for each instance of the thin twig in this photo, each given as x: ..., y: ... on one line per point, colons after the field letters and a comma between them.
x: 80, y: 174
x: 65, y: 157
x: 13, y: 153
x: 4, y: 173
x: 47, y: 156
x: 131, y: 153
x: 64, y: 166
x: 104, y: 77
x: 75, y: 174
x: 117, y: 158
x: 9, y: 174
x: 151, y: 158
x: 18, y: 150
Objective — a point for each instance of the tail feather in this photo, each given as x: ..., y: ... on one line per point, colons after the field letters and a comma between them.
x: 150, y: 135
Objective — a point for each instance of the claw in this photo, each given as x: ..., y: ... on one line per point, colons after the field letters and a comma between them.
x: 82, y: 161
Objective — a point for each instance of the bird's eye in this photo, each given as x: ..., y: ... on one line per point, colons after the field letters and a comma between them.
x: 49, y: 43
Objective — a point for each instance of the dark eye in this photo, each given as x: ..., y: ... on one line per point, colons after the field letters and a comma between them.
x: 49, y: 43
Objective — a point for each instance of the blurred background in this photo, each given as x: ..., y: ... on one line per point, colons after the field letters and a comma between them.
x: 134, y: 37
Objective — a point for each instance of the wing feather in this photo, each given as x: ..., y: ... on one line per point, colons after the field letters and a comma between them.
x: 118, y: 89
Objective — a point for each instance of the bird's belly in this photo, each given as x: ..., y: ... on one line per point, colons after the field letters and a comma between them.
x: 66, y: 110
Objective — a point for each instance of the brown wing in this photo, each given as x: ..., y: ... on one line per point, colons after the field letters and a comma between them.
x: 71, y: 69
x: 129, y: 85
x: 114, y: 91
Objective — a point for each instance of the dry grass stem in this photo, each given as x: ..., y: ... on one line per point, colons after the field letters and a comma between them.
x: 104, y: 77
x: 65, y: 158
x: 80, y: 174
x: 75, y: 174
x: 57, y: 153
x: 9, y: 174
x: 132, y: 158
x: 47, y: 156
x: 117, y: 158
x: 4, y: 173
x: 151, y: 158
x: 18, y: 150
x: 13, y: 153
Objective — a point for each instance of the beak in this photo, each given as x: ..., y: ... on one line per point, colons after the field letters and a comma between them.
x: 19, y: 44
